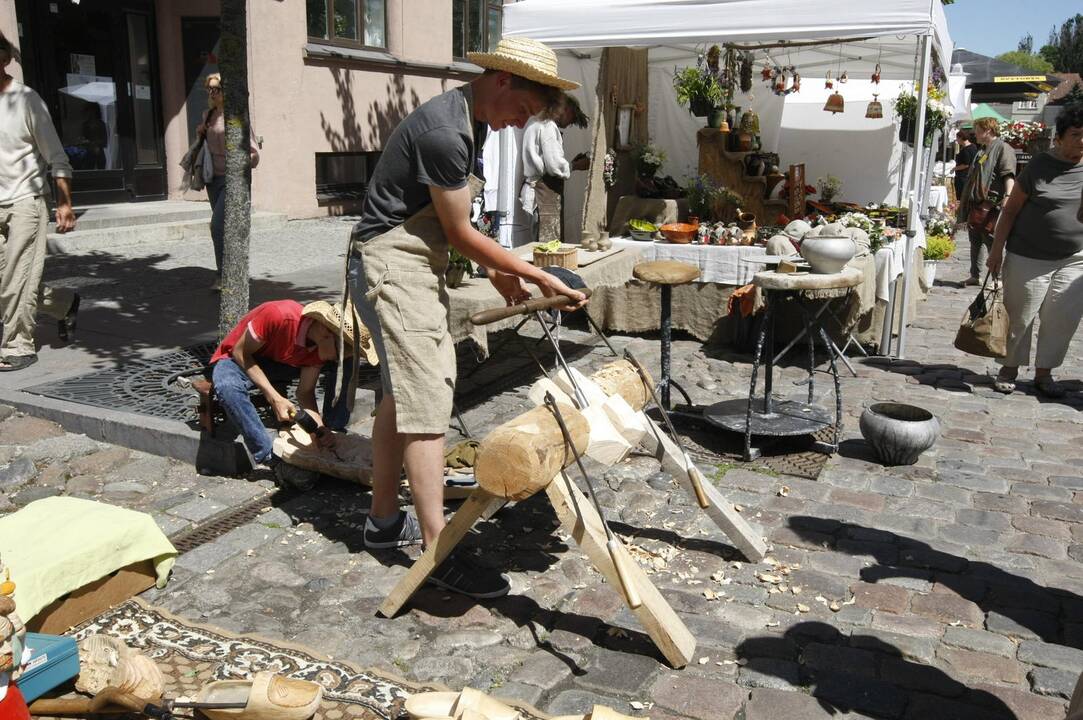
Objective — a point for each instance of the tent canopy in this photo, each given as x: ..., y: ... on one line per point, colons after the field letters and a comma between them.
x: 876, y: 31
x: 984, y: 111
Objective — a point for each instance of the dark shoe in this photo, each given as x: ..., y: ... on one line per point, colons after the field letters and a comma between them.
x: 17, y: 362
x: 1048, y: 387
x: 404, y: 531
x: 289, y: 477
x: 65, y: 326
x: 461, y: 575
x: 972, y: 281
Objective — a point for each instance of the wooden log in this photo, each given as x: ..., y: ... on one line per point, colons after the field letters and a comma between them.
x: 523, y: 455
x: 620, y: 378
x: 659, y: 620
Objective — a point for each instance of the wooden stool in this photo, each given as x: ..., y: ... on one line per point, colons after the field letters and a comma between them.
x: 667, y: 273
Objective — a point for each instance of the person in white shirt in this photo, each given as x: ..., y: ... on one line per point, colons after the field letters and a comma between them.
x: 28, y: 145
x: 545, y: 168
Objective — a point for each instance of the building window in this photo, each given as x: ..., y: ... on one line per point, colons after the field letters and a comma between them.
x: 343, y: 176
x: 1027, y: 105
x: 349, y: 22
x: 476, y: 25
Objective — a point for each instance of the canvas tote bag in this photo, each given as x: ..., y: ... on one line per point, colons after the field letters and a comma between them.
x: 984, y: 329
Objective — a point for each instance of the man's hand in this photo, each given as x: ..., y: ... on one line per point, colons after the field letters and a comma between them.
x: 509, y: 286
x: 65, y: 218
x: 581, y: 162
x: 550, y: 286
x: 283, y: 409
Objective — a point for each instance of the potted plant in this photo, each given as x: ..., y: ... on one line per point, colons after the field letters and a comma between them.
x: 711, y: 201
x: 1020, y: 135
x: 938, y: 245
x: 906, y: 108
x: 702, y: 89
x: 648, y: 159
x: 829, y: 186
x: 459, y: 268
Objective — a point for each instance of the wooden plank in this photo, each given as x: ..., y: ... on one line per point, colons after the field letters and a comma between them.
x: 453, y: 532
x: 728, y: 520
x: 93, y: 598
x: 657, y: 617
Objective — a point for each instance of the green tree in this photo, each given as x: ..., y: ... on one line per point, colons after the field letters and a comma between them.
x: 1026, y: 44
x: 1024, y: 60
x: 1067, y: 40
x: 1052, y: 55
x: 1074, y: 96
x: 233, y: 61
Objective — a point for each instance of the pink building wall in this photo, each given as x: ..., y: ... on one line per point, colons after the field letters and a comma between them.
x: 300, y: 106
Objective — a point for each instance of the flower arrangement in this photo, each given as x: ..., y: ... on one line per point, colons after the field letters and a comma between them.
x: 939, y: 225
x: 938, y: 247
x: 873, y: 228
x: 648, y: 159
x: 829, y: 187
x: 936, y: 113
x: 609, y: 169
x: 709, y: 200
x: 1018, y: 134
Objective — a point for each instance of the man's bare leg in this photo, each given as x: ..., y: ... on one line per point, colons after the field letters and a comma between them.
x: 424, y: 458
x: 387, y: 450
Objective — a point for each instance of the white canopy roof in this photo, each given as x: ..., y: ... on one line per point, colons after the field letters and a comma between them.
x: 675, y: 28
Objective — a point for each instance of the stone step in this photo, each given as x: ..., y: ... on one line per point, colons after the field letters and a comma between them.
x: 113, y: 215
x: 196, y: 228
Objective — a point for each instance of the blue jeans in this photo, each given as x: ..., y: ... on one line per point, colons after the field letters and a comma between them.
x: 232, y: 386
x: 216, y: 193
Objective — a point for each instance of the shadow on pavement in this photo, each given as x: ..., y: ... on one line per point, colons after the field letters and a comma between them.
x: 862, y: 673
x: 1022, y: 601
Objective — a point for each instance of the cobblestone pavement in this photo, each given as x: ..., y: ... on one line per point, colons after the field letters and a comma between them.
x: 948, y: 589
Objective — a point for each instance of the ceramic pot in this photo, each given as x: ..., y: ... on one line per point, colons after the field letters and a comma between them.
x: 754, y: 166
x: 604, y: 241
x: 454, y: 276
x: 744, y: 142
x: 699, y: 107
x: 827, y: 254
x: 797, y: 229
x: 715, y: 117
x: 746, y: 222
x: 930, y: 272
x: 899, y: 433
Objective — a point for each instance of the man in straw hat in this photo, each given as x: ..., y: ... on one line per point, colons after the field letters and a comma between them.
x: 279, y: 341
x: 417, y: 204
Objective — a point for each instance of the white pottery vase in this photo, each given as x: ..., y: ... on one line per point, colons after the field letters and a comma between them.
x: 930, y: 273
x: 827, y: 254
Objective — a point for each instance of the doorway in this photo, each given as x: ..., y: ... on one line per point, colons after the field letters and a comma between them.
x: 96, y: 68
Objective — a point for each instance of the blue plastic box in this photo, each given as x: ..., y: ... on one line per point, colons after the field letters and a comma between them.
x: 54, y: 660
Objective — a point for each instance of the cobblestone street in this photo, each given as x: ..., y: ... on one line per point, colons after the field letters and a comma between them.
x: 952, y: 588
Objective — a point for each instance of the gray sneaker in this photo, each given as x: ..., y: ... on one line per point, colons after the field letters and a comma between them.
x: 404, y: 531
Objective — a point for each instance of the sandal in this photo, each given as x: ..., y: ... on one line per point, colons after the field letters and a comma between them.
x: 17, y: 362
x: 1048, y: 387
x: 1005, y: 384
x: 266, y: 696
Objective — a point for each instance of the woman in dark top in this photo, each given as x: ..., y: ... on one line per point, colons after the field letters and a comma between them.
x: 963, y: 160
x: 1039, y: 243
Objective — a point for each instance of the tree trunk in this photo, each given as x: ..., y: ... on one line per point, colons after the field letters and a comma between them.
x: 233, y: 61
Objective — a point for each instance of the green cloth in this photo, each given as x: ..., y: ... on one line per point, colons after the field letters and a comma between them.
x: 59, y: 544
x: 984, y: 111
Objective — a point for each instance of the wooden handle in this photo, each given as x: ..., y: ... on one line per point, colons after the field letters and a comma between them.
x: 619, y: 559
x: 697, y: 481
x: 485, y: 317
x: 55, y: 706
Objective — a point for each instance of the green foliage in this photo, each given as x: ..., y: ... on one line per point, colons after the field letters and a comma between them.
x: 709, y: 200
x: 457, y: 259
x: 648, y: 159
x: 695, y: 85
x: 938, y: 247
x: 1074, y: 96
x: 1051, y: 55
x: 1067, y: 41
x: 1030, y: 61
x: 829, y: 186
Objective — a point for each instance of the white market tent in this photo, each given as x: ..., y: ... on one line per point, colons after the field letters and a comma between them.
x: 902, y: 36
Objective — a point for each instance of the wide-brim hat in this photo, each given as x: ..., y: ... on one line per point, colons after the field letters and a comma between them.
x: 526, y: 58
x: 342, y: 324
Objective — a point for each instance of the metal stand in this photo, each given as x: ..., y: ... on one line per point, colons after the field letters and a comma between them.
x: 831, y: 346
x: 771, y: 417
x: 666, y: 380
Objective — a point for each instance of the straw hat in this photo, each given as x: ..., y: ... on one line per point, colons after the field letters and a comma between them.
x: 331, y: 316
x: 526, y: 58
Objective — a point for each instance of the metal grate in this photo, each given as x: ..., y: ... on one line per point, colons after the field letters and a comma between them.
x: 218, y: 526
x: 139, y: 386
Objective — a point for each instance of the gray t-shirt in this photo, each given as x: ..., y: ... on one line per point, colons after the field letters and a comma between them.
x: 433, y: 145
x: 1047, y: 227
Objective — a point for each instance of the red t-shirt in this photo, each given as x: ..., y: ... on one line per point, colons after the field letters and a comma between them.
x: 279, y: 326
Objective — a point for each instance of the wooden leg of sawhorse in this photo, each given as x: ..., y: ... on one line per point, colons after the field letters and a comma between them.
x: 580, y: 520
x: 728, y: 520
x: 461, y: 522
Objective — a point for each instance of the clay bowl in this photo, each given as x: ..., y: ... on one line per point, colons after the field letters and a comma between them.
x: 679, y: 233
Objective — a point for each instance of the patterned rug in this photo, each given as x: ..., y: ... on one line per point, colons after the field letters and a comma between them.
x: 191, y: 655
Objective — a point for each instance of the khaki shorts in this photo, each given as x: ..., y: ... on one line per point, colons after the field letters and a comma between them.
x: 397, y: 285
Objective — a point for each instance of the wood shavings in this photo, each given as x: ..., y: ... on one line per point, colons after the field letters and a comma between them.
x: 803, y: 608
x: 617, y: 632
x: 710, y: 594
x: 784, y: 491
x: 704, y: 660
x: 768, y: 578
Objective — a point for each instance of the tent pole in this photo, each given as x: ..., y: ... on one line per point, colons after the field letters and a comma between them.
x: 914, y: 204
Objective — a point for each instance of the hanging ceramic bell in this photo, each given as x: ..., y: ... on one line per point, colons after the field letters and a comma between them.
x: 829, y: 84
x: 834, y: 103
x: 876, y: 75
x: 875, y: 110
x: 844, y: 77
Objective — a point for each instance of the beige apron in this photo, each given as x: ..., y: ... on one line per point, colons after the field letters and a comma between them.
x: 405, y: 305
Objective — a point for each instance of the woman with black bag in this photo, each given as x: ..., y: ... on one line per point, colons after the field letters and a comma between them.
x: 1039, y: 243
x: 991, y: 179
